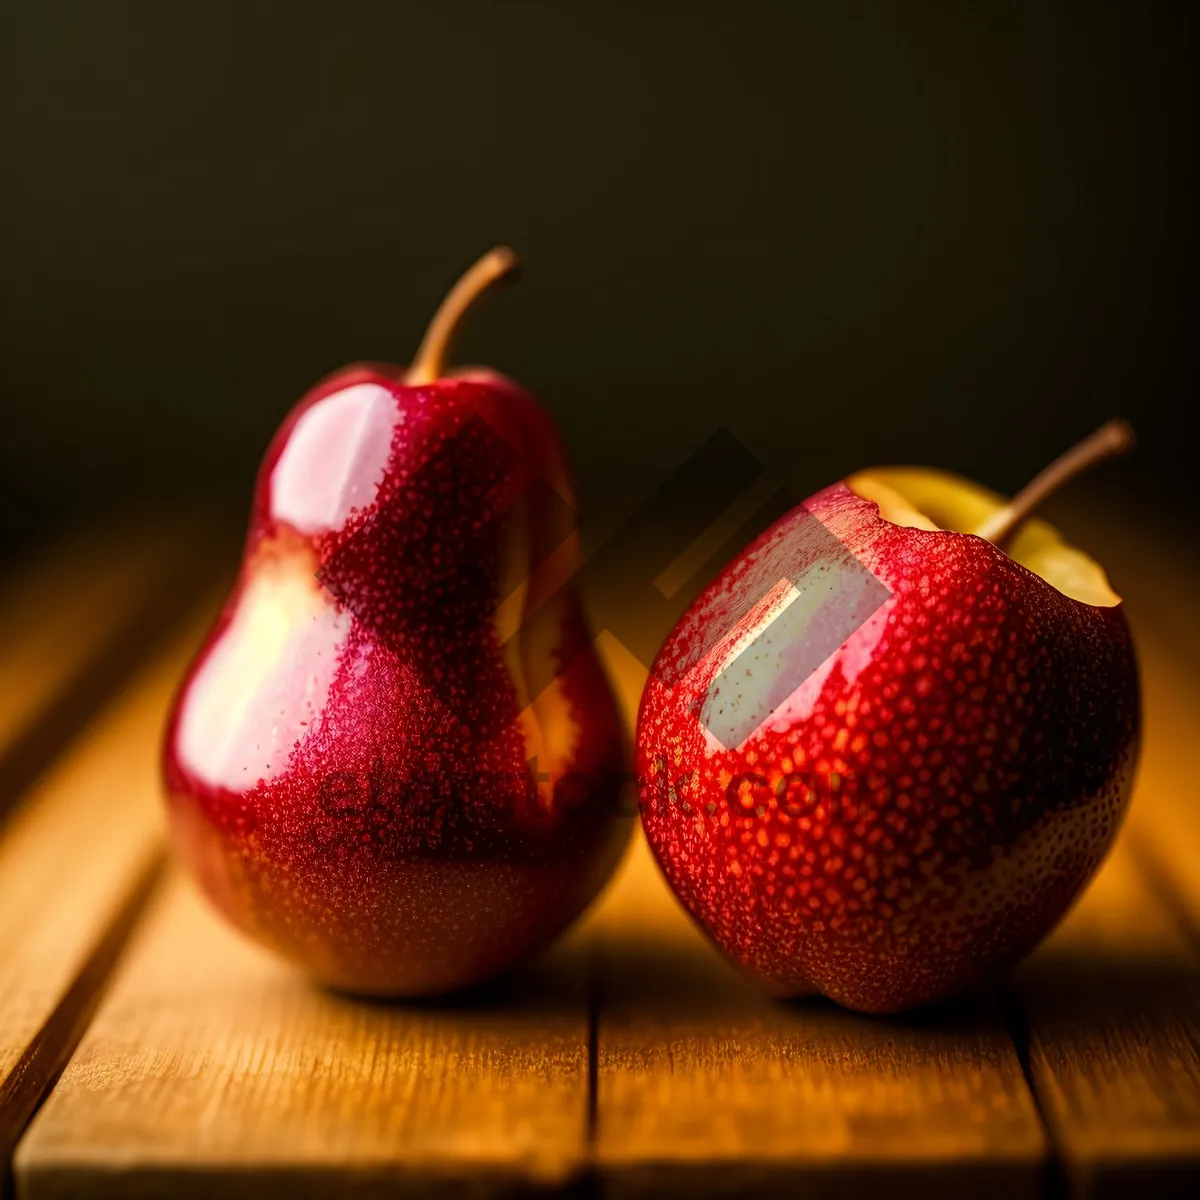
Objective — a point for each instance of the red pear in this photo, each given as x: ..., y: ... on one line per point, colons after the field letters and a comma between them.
x: 881, y: 754
x: 395, y: 759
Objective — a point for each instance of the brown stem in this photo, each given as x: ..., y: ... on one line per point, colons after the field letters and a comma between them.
x: 429, y: 363
x: 1112, y: 438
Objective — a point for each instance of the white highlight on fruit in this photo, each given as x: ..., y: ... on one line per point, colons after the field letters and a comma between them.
x: 777, y: 600
x: 266, y: 681
x: 335, y: 459
x: 855, y: 654
x: 791, y: 616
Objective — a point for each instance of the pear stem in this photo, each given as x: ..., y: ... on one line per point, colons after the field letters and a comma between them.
x: 496, y: 265
x: 1111, y: 439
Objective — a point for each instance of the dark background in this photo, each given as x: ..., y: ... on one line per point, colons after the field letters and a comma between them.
x: 953, y: 234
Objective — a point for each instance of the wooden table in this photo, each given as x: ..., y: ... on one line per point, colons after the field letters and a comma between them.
x: 146, y: 1049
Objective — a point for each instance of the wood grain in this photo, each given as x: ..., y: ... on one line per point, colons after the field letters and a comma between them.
x: 213, y: 1065
x: 75, y: 862
x: 210, y: 1066
x: 705, y: 1084
x: 1112, y: 1004
x: 1112, y: 1001
x: 77, y: 619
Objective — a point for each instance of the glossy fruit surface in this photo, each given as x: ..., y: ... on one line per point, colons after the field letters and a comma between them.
x: 395, y: 759
x: 882, y: 757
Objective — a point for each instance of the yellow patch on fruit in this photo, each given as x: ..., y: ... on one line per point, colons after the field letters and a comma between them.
x: 937, y: 500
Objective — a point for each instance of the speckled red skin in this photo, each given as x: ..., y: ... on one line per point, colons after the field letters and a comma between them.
x: 466, y: 863
x: 993, y: 733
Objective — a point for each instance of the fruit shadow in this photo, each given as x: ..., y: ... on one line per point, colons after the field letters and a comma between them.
x: 553, y: 984
x: 691, y: 980
x: 638, y: 975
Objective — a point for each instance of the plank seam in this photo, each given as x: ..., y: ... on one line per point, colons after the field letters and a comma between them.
x: 593, y: 1050
x: 44, y: 1059
x: 587, y: 1183
x: 1055, y: 1181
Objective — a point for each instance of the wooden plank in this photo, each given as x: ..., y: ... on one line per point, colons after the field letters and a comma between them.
x: 76, y: 861
x: 1112, y: 1004
x: 706, y: 1085
x: 1112, y: 1001
x: 211, y: 1065
x: 75, y: 620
